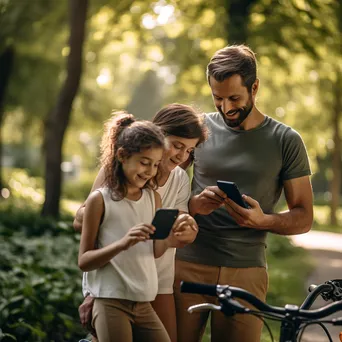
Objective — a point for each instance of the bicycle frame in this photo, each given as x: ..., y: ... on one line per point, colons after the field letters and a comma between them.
x: 289, y: 328
x: 293, y: 318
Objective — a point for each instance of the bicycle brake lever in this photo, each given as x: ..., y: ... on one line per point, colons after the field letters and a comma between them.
x: 231, y: 306
x: 336, y: 290
x: 204, y: 306
x: 312, y: 287
x: 337, y: 321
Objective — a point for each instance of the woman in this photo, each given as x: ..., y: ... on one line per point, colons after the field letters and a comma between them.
x: 184, y: 129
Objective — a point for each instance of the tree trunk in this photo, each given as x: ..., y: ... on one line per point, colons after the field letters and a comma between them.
x: 238, y: 19
x: 58, y: 118
x: 6, y: 64
x: 335, y: 186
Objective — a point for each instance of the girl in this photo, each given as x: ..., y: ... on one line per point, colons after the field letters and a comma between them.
x: 115, y: 250
x: 184, y: 130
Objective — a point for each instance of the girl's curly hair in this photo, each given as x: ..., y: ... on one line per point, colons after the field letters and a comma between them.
x: 123, y: 131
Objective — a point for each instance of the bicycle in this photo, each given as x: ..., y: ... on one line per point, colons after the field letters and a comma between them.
x: 294, y: 319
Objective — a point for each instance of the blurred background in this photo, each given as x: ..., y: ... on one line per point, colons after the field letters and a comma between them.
x: 65, y: 65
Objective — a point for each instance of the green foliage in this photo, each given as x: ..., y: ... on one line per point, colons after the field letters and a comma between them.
x: 322, y: 217
x: 287, y: 275
x: 16, y: 216
x: 40, y: 286
x: 40, y: 283
x: 128, y: 40
x: 80, y: 189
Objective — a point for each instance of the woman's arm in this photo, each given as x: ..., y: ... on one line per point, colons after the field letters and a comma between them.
x: 78, y: 221
x: 185, y: 229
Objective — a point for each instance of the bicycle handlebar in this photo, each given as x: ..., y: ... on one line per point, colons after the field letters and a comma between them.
x: 235, y: 292
x: 315, y: 291
x: 205, y: 289
x: 216, y: 290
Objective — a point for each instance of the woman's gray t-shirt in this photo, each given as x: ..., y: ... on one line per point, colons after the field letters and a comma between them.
x: 258, y: 161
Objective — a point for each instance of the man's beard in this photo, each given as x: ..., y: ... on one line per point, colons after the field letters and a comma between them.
x: 243, y: 114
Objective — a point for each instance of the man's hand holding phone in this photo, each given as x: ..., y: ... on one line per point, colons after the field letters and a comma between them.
x: 253, y: 217
x: 207, y: 201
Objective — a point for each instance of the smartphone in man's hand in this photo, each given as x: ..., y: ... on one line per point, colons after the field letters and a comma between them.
x: 232, y: 192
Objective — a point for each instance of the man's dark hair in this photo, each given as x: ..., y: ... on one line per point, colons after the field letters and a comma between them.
x: 233, y: 60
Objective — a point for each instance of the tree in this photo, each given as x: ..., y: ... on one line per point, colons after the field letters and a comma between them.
x: 238, y: 14
x: 336, y: 112
x: 16, y: 22
x: 59, y: 116
x: 6, y: 63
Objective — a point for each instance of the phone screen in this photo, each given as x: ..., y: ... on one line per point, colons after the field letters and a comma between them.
x: 232, y: 191
x: 163, y: 222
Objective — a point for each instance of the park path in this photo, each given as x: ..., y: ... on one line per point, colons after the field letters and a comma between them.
x: 326, y: 250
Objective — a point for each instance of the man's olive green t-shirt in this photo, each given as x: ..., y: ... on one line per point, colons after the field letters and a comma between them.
x: 258, y: 161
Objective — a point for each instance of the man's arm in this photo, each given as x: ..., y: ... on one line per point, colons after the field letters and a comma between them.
x: 296, y: 220
x: 299, y: 217
x: 78, y: 221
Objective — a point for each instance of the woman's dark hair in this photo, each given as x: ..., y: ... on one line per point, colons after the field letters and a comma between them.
x: 123, y: 131
x: 182, y: 121
x: 233, y: 60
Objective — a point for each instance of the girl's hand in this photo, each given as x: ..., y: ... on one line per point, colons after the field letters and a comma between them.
x: 140, y: 232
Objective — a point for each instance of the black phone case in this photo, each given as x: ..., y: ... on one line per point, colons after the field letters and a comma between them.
x: 163, y: 221
x: 232, y: 191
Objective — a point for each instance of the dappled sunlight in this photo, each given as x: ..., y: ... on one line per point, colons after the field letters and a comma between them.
x: 65, y: 51
x: 257, y: 18
x: 208, y: 18
x: 25, y: 187
x: 102, y: 18
x: 322, y: 212
x: 155, y: 53
x: 149, y: 22
x: 163, y: 15
x: 104, y: 79
x: 130, y: 39
x: 5, y: 193
x: 70, y: 206
x: 166, y: 74
x: 280, y: 112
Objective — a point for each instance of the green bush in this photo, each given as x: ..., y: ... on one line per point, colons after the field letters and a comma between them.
x: 15, y: 217
x: 287, y: 275
x: 80, y: 189
x: 40, y: 283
